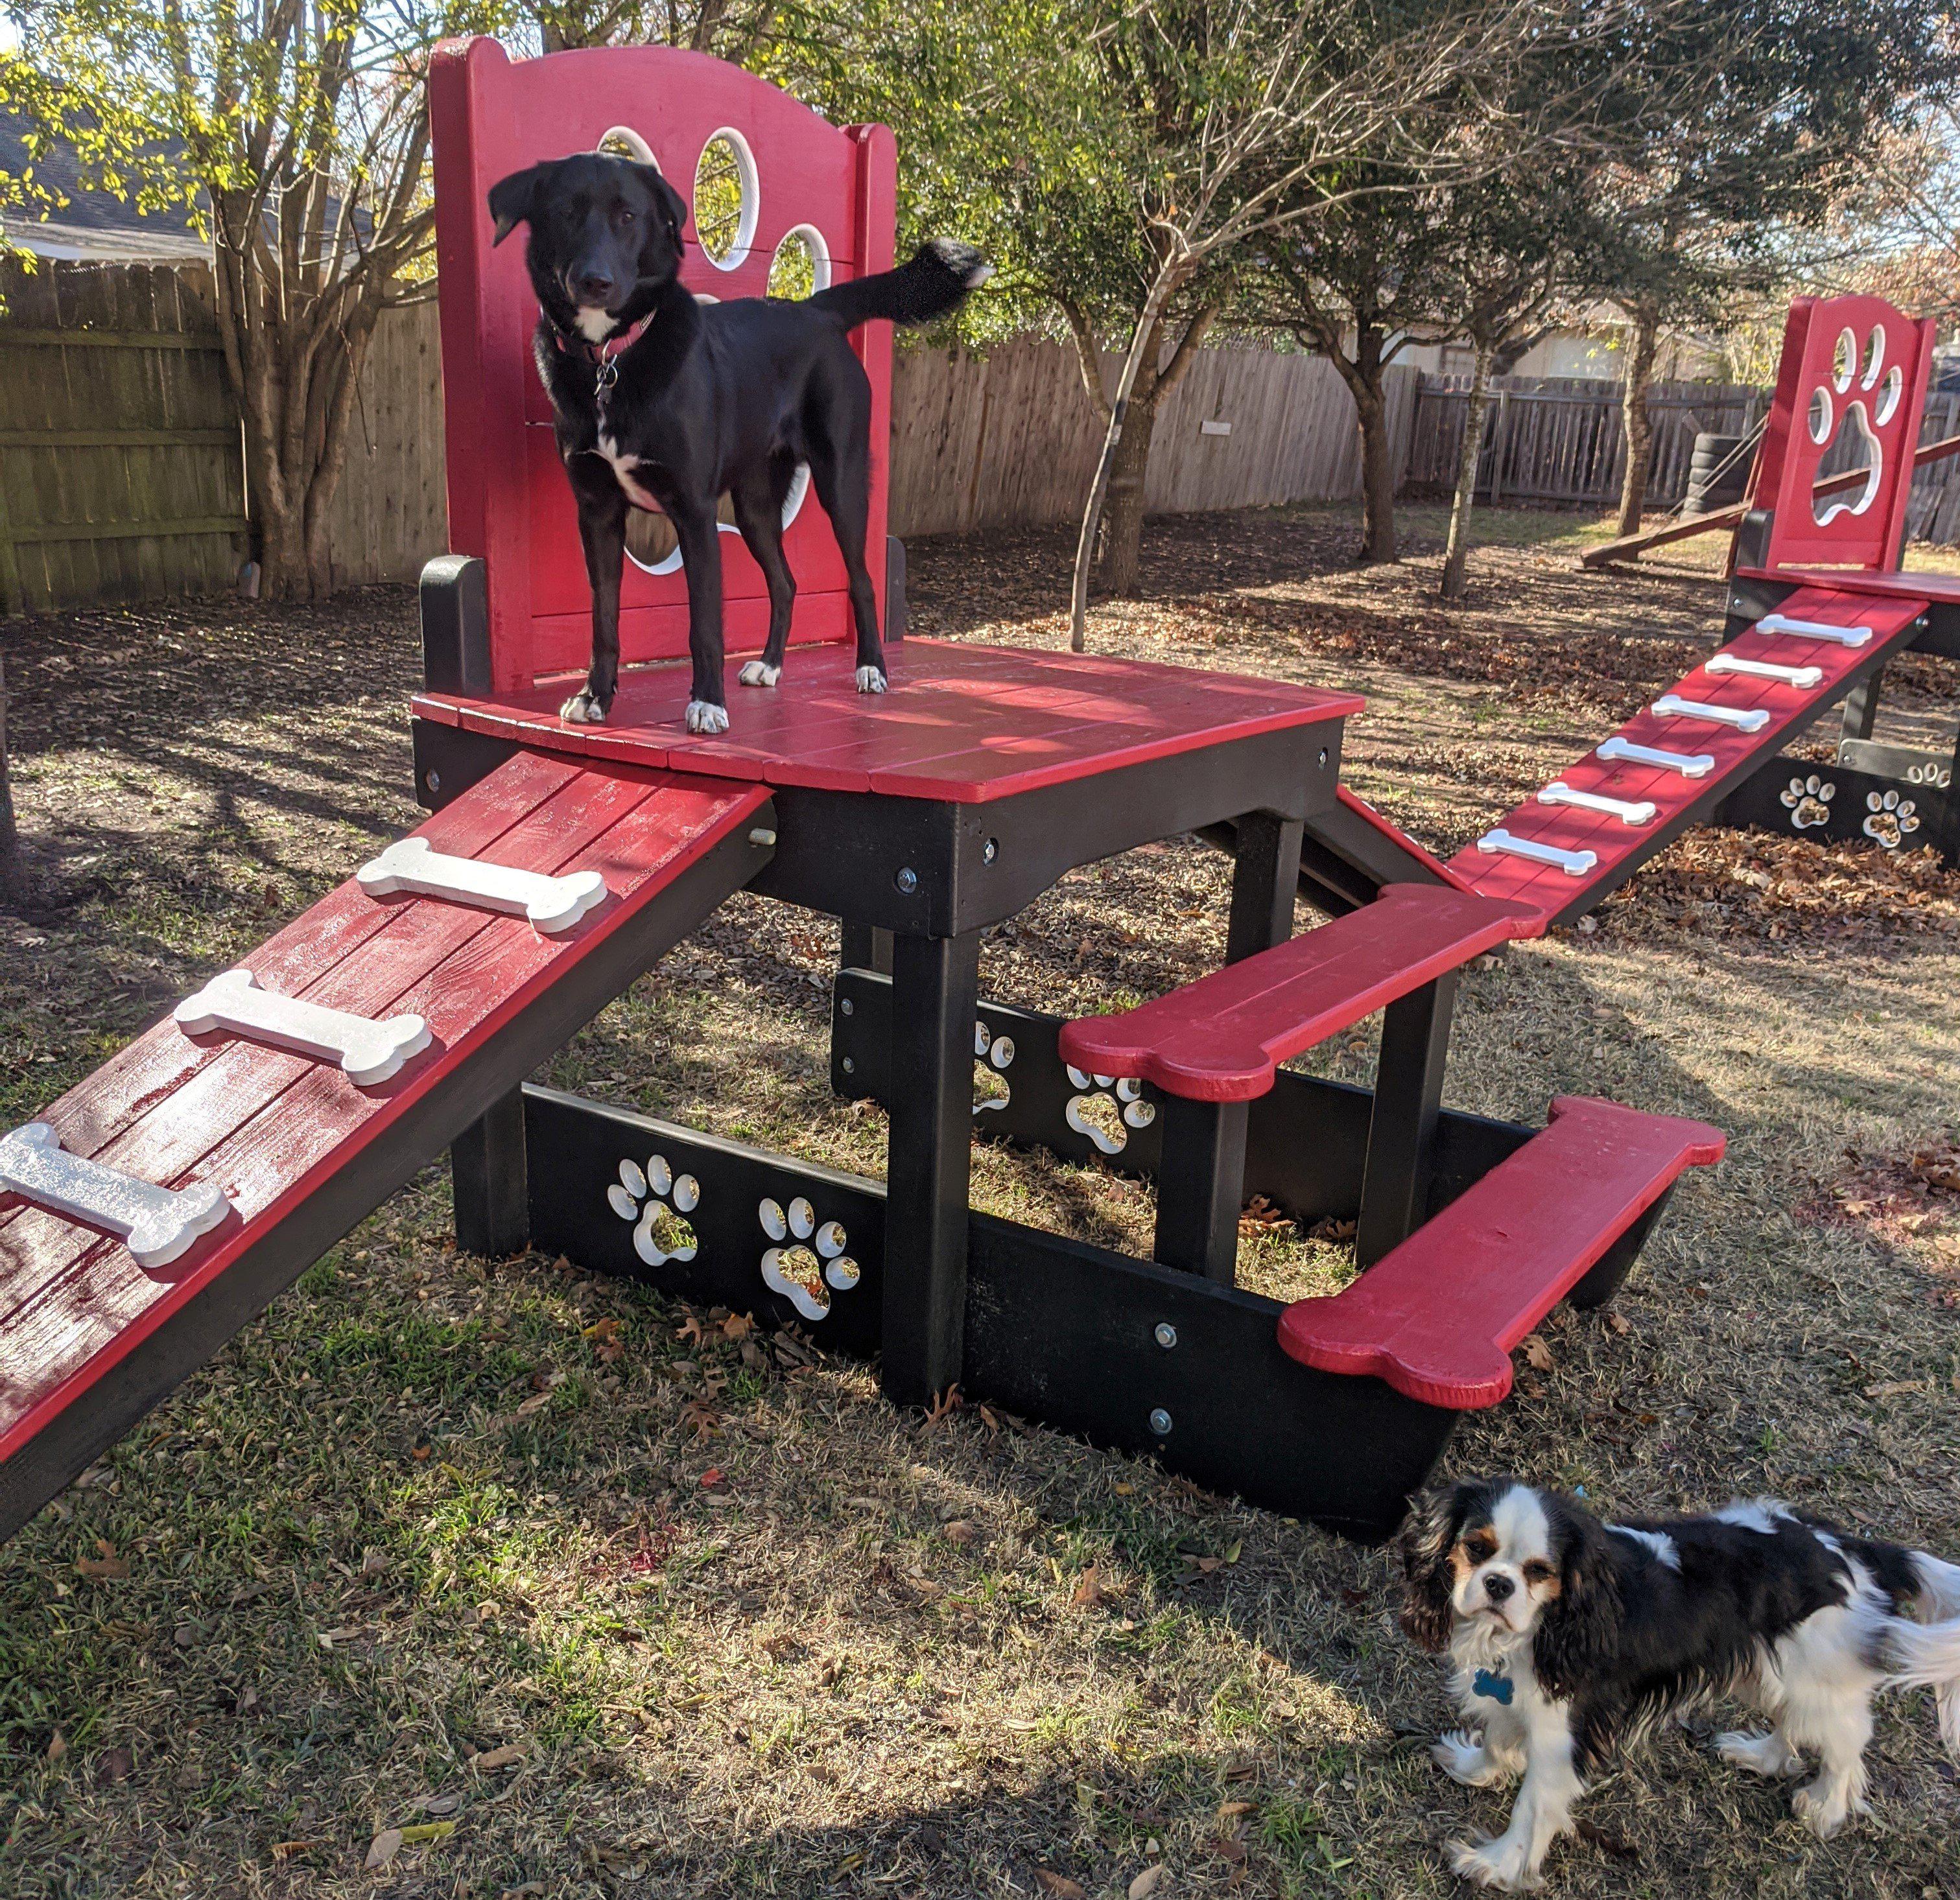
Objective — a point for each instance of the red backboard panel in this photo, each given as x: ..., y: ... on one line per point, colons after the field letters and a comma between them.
x: 1851, y: 364
x: 509, y: 502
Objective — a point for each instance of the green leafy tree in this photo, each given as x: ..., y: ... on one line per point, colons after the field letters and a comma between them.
x: 297, y: 131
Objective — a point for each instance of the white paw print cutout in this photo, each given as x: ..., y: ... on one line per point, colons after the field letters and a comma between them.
x: 809, y: 1263
x: 993, y: 1056
x: 658, y: 1202
x: 1106, y: 1109
x: 1808, y: 802
x: 1889, y: 818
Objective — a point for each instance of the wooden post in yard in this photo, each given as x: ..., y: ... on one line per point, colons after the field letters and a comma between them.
x: 10, y: 838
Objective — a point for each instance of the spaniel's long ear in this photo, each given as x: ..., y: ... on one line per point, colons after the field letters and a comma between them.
x: 1423, y: 1548
x: 514, y: 199
x: 1579, y: 1631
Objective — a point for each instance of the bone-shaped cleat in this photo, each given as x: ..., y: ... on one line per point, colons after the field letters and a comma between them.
x: 552, y: 903
x: 1673, y: 706
x: 1805, y: 677
x: 1628, y: 811
x: 1574, y: 864
x: 368, y: 1052
x: 1815, y: 630
x: 157, y: 1224
x: 1688, y: 764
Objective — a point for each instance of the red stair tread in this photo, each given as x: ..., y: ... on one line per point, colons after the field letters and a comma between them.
x: 1220, y: 1039
x: 961, y: 722
x: 1437, y: 1316
x: 1619, y: 846
x: 270, y: 1126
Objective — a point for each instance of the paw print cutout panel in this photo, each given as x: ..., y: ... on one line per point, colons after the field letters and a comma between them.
x: 1850, y: 389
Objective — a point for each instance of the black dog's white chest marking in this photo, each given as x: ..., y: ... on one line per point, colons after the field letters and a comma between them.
x: 622, y: 465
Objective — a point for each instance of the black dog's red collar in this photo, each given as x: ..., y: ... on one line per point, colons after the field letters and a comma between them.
x: 611, y: 350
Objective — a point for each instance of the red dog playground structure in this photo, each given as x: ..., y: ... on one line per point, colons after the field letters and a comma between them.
x: 157, y: 1207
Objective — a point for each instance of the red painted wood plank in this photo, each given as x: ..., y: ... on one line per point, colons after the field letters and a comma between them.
x: 1221, y: 1039
x: 139, y: 1075
x: 1736, y: 753
x: 961, y: 722
x: 1437, y: 1318
x: 80, y: 1322
x: 1928, y: 586
x: 161, y: 1135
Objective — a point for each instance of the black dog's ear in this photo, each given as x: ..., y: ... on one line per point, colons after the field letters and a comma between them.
x: 672, y: 205
x: 1422, y: 1546
x: 512, y: 198
x: 1579, y: 1631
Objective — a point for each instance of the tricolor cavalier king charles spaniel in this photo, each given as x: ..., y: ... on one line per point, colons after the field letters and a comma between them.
x: 1568, y: 1638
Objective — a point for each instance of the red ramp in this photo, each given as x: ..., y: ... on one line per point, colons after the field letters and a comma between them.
x: 90, y: 1339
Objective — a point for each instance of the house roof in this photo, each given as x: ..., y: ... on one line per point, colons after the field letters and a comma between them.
x: 94, y: 226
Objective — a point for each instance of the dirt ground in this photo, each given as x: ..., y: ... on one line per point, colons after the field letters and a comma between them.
x: 514, y: 1583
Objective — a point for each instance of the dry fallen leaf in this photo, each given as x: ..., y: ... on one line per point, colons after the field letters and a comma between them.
x: 944, y: 1406
x: 737, y: 1326
x: 701, y: 1420
x: 510, y: 1753
x: 961, y: 1530
x: 1231, y: 1810
x: 58, y: 1747
x: 1618, y: 1323
x: 1060, y: 1884
x: 1089, y: 1594
x: 1146, y: 1883
x: 383, y: 1848
x: 1538, y: 1355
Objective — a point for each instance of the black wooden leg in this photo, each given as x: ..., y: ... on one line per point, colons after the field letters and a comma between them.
x: 1861, y: 706
x: 1265, y: 880
x: 493, y: 1214
x: 1200, y: 1186
x: 1401, y: 1132
x: 935, y: 992
x: 1948, y: 842
x: 866, y: 946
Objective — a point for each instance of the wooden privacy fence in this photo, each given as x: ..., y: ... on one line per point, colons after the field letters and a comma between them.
x: 121, y: 477
x: 1010, y: 439
x: 1561, y: 439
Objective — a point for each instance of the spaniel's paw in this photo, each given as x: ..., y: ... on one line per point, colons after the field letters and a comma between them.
x: 1464, y: 1758
x: 1767, y: 1754
x: 1503, y: 1864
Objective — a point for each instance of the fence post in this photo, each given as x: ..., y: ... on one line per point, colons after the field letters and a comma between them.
x: 10, y: 837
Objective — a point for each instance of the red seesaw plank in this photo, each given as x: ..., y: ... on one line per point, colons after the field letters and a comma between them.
x: 1437, y: 1316
x: 1221, y: 1039
x: 286, y: 1126
x: 1617, y: 846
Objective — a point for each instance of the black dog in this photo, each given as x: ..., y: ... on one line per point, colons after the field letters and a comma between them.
x: 662, y: 402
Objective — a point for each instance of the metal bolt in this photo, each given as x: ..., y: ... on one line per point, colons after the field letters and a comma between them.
x: 990, y: 851
x: 907, y: 880
x: 849, y: 1008
x: 762, y: 835
x: 434, y: 780
x: 1323, y: 758
x: 1166, y: 1335
x: 850, y: 1067
x: 1160, y: 1422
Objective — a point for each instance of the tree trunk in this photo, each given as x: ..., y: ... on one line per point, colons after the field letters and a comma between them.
x: 1362, y: 372
x: 10, y: 837
x: 1456, y: 554
x: 1639, y: 423
x: 1123, y: 522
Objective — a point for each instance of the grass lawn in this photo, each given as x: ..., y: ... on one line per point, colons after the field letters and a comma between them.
x: 587, y: 1595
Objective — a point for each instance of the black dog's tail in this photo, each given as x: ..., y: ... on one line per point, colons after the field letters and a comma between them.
x: 941, y: 271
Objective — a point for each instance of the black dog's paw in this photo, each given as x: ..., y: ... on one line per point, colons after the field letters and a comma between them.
x: 704, y: 715
x: 583, y: 709
x: 870, y: 679
x: 758, y: 673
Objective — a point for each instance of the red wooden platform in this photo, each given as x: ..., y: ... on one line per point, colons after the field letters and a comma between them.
x: 963, y: 722
x: 1221, y: 1038
x: 1619, y: 847
x: 1437, y: 1316
x: 277, y: 1130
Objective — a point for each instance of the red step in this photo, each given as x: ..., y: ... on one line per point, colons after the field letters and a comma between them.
x: 1221, y: 1039
x: 299, y: 1147
x: 1437, y: 1318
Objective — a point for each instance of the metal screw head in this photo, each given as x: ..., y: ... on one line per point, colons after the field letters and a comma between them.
x: 434, y: 780
x: 990, y: 851
x: 1161, y: 1422
x: 850, y: 1067
x: 849, y: 1008
x: 1323, y: 758
x: 1166, y: 1335
x: 907, y: 880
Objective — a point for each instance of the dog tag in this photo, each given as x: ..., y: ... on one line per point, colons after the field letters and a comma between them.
x: 157, y: 1224
x: 368, y: 1052
x: 1499, y: 1689
x: 552, y: 903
